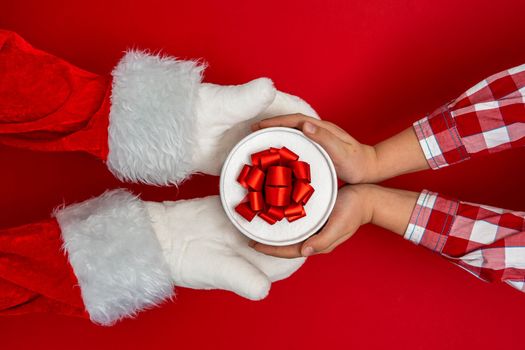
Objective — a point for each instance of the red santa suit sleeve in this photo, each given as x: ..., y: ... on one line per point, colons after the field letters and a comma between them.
x: 139, y: 120
x: 99, y: 259
x: 34, y: 275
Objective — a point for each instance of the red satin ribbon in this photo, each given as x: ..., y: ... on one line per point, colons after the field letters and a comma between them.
x: 277, y: 196
x: 256, y: 201
x: 278, y: 185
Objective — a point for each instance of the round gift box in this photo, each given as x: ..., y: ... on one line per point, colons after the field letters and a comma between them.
x: 318, y: 207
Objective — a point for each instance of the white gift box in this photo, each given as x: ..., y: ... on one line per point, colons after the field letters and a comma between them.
x: 323, y: 180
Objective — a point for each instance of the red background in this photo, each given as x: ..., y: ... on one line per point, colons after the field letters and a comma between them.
x: 373, y: 67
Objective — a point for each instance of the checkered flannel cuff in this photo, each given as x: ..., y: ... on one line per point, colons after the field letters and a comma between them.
x: 518, y: 284
x: 439, y: 139
x: 431, y: 220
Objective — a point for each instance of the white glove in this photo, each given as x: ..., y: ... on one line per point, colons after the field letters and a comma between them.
x: 205, y: 251
x: 165, y: 124
x: 225, y: 113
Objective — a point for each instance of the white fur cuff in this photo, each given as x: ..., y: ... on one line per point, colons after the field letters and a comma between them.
x: 115, y: 255
x: 152, y: 118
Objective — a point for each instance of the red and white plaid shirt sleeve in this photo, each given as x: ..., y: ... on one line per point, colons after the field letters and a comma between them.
x: 486, y: 241
x: 487, y: 118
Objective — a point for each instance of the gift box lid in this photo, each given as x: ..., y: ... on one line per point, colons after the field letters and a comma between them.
x: 318, y: 207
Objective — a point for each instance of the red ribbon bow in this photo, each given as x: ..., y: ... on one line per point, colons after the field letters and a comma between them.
x: 278, y: 184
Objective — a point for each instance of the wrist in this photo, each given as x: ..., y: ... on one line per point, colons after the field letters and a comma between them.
x: 371, y: 169
x: 367, y: 198
x: 380, y: 158
x: 390, y: 208
x: 397, y: 155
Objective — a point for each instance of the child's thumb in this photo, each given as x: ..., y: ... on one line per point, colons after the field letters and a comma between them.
x: 327, y: 140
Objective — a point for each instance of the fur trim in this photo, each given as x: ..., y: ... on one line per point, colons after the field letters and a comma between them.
x: 152, y: 118
x: 115, y: 255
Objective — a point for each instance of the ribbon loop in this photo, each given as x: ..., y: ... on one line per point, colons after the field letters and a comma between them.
x: 245, y: 211
x: 278, y: 196
x: 276, y: 212
x: 301, y: 170
x: 301, y: 191
x: 287, y: 156
x: 255, y: 179
x: 256, y: 201
x: 293, y: 210
x: 269, y: 159
x: 243, y: 175
x: 256, y: 157
x: 267, y: 218
x: 279, y: 176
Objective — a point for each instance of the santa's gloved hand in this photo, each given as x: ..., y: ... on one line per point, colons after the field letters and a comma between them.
x: 205, y: 251
x: 225, y: 113
x: 166, y: 124
x: 128, y: 254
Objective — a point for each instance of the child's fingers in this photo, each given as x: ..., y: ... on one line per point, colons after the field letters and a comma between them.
x: 287, y: 120
x: 289, y: 251
x: 296, y: 121
x: 333, y: 233
x: 338, y: 242
x: 320, y: 243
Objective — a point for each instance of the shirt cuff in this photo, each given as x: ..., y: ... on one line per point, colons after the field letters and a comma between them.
x: 439, y: 139
x: 431, y: 220
x: 518, y: 284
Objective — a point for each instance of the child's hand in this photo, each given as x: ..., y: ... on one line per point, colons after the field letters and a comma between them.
x: 354, y: 161
x: 353, y: 208
x: 356, y: 205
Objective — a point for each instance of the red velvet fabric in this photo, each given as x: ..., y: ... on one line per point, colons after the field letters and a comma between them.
x: 47, y: 104
x: 35, y: 275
